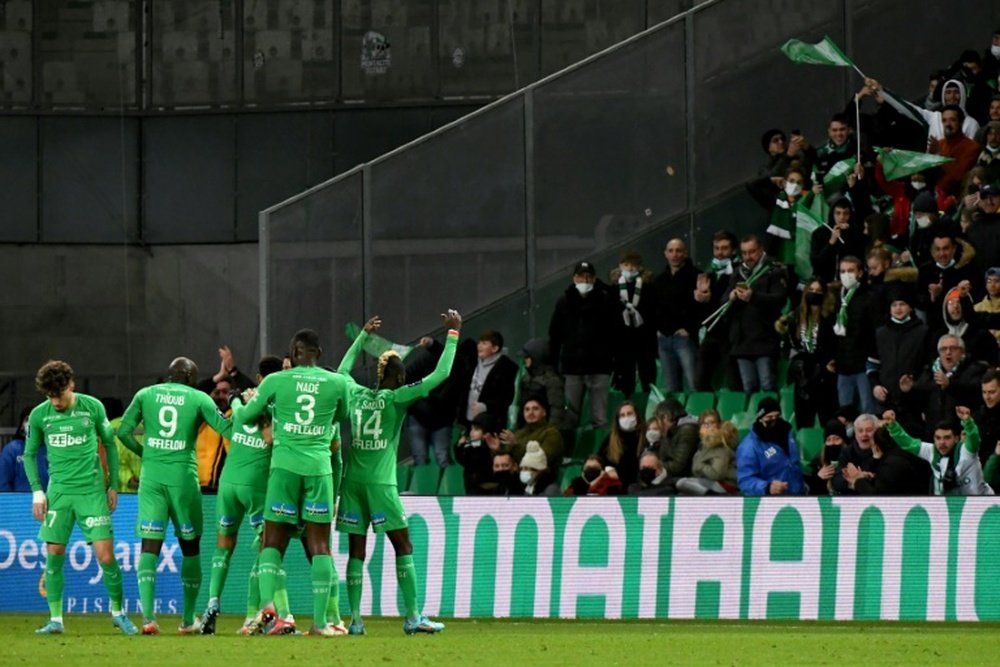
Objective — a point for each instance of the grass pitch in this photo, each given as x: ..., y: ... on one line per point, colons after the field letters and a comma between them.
x: 90, y: 640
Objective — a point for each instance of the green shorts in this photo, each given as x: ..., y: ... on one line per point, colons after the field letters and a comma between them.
x: 292, y: 497
x: 87, y: 510
x: 236, y: 501
x: 363, y: 504
x: 159, y: 502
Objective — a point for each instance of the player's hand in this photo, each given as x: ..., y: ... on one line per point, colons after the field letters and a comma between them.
x: 112, y: 500
x: 963, y: 412
x: 373, y: 324
x: 39, y: 505
x: 889, y: 416
x: 452, y: 319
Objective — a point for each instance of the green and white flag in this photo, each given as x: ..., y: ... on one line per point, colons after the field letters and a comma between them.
x: 837, y: 175
x: 905, y: 108
x: 898, y: 163
x: 823, y: 52
x: 376, y: 345
x: 807, y: 220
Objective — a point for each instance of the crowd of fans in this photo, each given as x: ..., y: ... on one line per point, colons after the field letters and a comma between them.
x: 883, y: 324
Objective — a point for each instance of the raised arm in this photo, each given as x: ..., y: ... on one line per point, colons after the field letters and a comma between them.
x: 972, y: 438
x: 347, y: 363
x: 131, y: 419
x: 905, y: 441
x: 422, y: 388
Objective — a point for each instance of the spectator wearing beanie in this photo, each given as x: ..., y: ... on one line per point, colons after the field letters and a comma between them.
x: 824, y: 468
x: 767, y: 460
x: 537, y: 477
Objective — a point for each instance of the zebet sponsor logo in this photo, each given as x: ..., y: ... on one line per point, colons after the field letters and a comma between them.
x: 65, y: 440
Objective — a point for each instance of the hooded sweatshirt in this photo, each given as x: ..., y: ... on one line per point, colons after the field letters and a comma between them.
x: 935, y: 128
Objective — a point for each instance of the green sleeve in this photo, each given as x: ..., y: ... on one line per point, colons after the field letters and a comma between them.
x: 256, y: 406
x: 31, y: 452
x: 107, y: 436
x: 990, y: 469
x: 129, y: 421
x: 347, y: 363
x: 906, y: 441
x: 417, y: 390
x: 221, y: 425
x: 972, y: 439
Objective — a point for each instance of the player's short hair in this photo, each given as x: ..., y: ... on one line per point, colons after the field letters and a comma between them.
x: 947, y: 425
x: 269, y: 364
x: 991, y: 375
x: 725, y: 235
x: 494, y: 337
x: 954, y: 107
x: 751, y: 238
x: 851, y: 259
x: 305, y: 338
x: 389, y: 363
x: 53, y: 377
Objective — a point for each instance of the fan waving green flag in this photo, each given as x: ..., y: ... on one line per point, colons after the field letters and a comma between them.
x: 898, y: 163
x: 837, y: 176
x: 823, y: 52
x: 807, y: 220
x: 375, y: 345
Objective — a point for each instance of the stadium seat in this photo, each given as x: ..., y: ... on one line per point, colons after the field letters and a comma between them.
x: 569, y: 473
x: 810, y: 442
x: 403, y: 472
x: 730, y: 404
x: 588, y: 441
x: 788, y: 402
x: 425, y: 480
x: 452, y: 481
x: 615, y: 399
x: 699, y: 401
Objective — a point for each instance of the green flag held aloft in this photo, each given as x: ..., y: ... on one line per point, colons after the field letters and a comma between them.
x: 837, y: 175
x: 898, y: 163
x: 807, y: 220
x: 376, y: 345
x: 823, y: 52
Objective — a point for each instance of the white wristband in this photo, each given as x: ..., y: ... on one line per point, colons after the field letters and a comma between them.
x: 38, y: 497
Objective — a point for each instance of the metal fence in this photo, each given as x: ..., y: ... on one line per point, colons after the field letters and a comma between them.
x: 649, y: 139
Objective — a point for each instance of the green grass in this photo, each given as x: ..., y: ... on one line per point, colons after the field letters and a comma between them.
x: 91, y: 641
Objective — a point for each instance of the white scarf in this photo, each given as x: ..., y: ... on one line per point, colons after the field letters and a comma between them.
x: 631, y: 313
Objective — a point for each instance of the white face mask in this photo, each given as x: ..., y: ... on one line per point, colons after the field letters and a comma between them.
x: 918, y: 185
x: 652, y: 436
x: 584, y: 288
x: 923, y: 221
x: 947, y: 265
x: 629, y: 275
x: 628, y: 423
x: 793, y: 189
x: 525, y: 477
x: 848, y: 280
x: 995, y: 50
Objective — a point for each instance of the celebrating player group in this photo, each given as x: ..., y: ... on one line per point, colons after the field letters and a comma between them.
x: 283, y: 477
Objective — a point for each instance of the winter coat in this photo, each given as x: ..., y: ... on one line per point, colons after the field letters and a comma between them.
x: 759, y: 463
x: 900, y: 349
x: 751, y: 324
x: 678, y: 446
x: 675, y: 305
x: 854, y: 348
x: 583, y: 332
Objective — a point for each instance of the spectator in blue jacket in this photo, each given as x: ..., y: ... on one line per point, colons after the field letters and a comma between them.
x: 12, y: 477
x: 767, y: 461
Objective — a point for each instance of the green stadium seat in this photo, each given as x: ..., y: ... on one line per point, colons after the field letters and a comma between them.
x: 452, y: 481
x: 787, y: 401
x: 810, y: 442
x: 699, y: 401
x: 403, y: 473
x: 588, y: 441
x: 730, y: 404
x: 569, y: 472
x: 615, y: 399
x: 425, y: 480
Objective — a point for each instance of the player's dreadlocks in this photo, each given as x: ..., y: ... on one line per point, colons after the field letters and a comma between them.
x: 390, y: 368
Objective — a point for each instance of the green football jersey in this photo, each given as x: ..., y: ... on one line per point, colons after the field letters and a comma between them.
x: 70, y: 438
x: 306, y: 401
x: 249, y: 456
x: 171, y: 413
x: 377, y: 417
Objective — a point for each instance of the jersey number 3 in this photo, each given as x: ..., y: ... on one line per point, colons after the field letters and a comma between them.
x: 307, y: 413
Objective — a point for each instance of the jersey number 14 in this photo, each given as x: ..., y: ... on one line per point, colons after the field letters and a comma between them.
x: 372, y: 427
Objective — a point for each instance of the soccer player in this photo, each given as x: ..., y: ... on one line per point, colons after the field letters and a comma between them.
x: 241, y: 494
x: 369, y: 494
x: 168, y: 483
x: 68, y: 424
x: 305, y: 401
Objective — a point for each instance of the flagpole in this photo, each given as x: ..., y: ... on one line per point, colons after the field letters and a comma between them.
x: 857, y: 121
